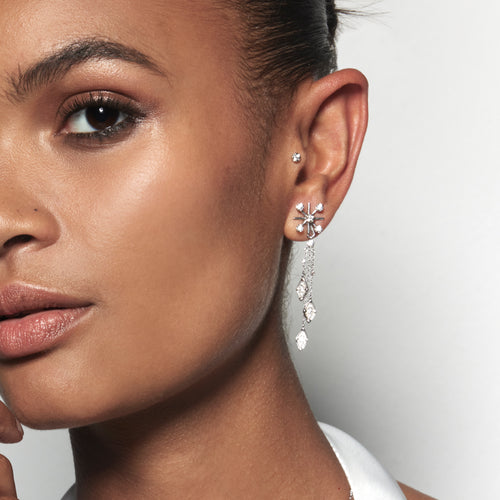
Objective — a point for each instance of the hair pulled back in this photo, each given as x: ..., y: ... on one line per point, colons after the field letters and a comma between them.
x: 285, y: 42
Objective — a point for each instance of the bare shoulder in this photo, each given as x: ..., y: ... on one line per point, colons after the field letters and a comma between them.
x: 412, y: 494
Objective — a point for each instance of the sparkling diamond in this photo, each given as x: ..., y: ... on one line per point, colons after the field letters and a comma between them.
x: 310, y: 244
x: 299, y: 207
x: 309, y: 219
x: 318, y: 229
x: 302, y: 289
x: 301, y: 340
x: 309, y: 311
x: 300, y: 228
x: 319, y: 207
x: 296, y: 157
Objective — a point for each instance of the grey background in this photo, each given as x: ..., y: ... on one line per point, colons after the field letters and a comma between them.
x: 403, y: 353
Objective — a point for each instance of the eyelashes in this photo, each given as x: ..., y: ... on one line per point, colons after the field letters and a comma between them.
x: 97, y: 118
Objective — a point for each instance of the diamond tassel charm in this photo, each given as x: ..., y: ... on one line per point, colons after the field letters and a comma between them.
x: 304, y: 288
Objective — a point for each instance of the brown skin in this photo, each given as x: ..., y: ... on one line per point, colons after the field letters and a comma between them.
x: 174, y: 233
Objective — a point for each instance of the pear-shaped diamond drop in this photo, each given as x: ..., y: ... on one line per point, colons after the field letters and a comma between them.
x: 302, y: 289
x: 301, y: 340
x: 309, y: 311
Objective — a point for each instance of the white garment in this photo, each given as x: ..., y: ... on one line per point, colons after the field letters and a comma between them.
x: 367, y: 478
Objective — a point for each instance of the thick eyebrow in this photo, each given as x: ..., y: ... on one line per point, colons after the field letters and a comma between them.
x: 57, y: 64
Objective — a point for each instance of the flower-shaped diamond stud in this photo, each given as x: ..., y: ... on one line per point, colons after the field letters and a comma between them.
x: 309, y: 219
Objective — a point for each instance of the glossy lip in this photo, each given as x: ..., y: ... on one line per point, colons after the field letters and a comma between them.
x: 33, y: 319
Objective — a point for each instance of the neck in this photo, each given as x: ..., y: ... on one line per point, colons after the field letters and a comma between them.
x: 244, y: 432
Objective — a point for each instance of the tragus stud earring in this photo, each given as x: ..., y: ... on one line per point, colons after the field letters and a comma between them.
x: 296, y: 157
x: 304, y: 288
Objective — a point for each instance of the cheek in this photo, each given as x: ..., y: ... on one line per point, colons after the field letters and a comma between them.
x: 183, y: 268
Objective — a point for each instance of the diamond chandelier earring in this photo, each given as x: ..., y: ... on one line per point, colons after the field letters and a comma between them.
x: 304, y: 288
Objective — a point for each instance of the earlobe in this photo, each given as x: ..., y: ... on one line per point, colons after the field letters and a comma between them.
x: 333, y: 114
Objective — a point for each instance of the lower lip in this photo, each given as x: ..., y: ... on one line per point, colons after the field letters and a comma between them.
x: 37, y: 332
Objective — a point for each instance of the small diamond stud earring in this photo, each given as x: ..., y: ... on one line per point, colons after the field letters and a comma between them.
x: 296, y: 157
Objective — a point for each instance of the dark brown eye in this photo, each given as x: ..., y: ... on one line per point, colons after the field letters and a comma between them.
x: 101, y: 117
x: 96, y: 118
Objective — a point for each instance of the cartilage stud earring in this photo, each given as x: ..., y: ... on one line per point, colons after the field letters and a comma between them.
x: 296, y: 157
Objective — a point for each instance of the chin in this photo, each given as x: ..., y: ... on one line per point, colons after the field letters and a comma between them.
x: 67, y: 414
x: 59, y: 405
x: 50, y: 402
x: 48, y: 413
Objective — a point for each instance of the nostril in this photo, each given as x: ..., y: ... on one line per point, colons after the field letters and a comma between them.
x: 17, y: 240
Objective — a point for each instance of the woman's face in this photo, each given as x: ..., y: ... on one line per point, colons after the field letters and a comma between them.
x: 161, y: 222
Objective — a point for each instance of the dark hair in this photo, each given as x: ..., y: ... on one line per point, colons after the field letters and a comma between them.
x: 283, y: 43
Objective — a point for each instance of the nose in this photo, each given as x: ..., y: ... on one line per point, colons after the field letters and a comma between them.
x: 24, y: 224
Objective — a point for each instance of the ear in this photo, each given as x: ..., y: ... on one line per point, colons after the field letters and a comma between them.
x: 331, y: 115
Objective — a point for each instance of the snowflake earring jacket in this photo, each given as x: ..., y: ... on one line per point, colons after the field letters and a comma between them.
x: 304, y: 288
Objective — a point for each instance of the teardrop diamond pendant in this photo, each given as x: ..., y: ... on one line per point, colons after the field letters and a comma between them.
x: 304, y: 293
x: 308, y: 224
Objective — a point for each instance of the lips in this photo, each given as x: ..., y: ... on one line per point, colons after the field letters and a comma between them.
x: 34, y: 319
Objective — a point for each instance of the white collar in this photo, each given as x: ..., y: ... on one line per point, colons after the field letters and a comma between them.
x: 367, y: 478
